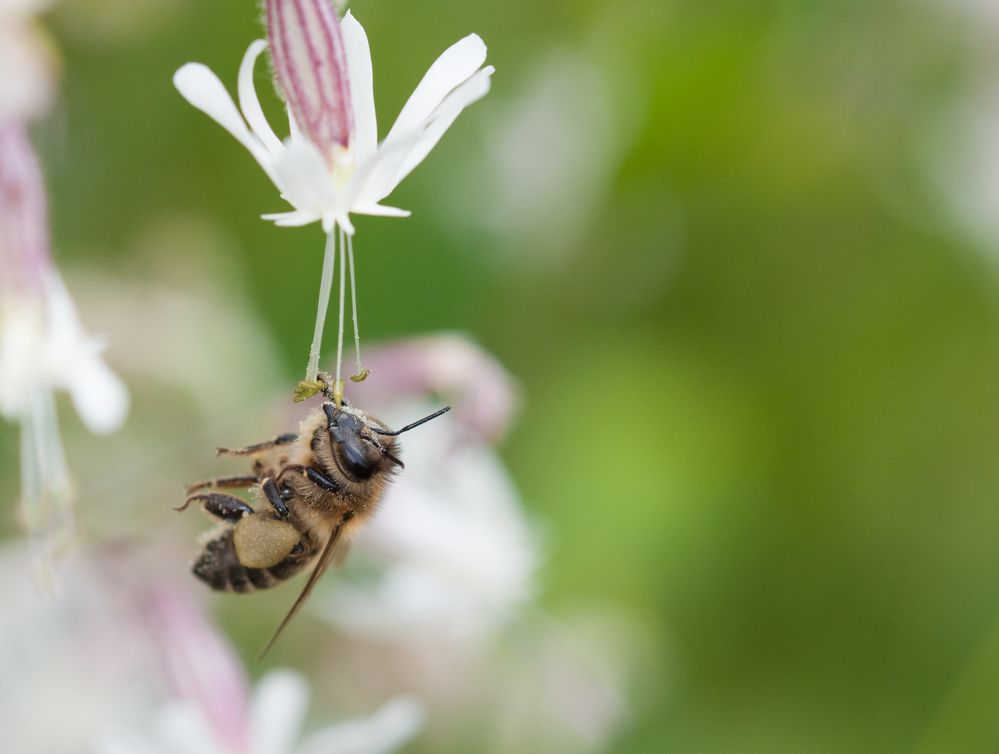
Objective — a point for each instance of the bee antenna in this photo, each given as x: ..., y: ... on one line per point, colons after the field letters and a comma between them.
x: 414, y: 425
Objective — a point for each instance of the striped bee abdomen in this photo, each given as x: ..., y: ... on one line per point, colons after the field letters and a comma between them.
x: 219, y: 567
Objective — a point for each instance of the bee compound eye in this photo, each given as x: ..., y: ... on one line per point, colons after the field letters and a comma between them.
x: 355, y: 460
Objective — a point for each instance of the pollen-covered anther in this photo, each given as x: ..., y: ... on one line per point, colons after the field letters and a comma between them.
x: 310, y: 64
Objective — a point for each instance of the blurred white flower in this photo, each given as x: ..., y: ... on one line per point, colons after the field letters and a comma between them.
x: 552, y: 151
x: 276, y: 712
x: 211, y: 710
x: 119, y: 640
x: 27, y: 60
x: 84, y: 658
x: 43, y: 346
x: 964, y: 163
x: 331, y: 165
x: 458, y: 556
x: 978, y: 11
x: 437, y: 595
x: 455, y: 555
x: 961, y: 151
x: 125, y: 661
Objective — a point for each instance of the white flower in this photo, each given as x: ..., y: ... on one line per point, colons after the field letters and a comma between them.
x: 276, y: 712
x: 331, y: 164
x: 439, y: 585
x: 128, y: 661
x: 457, y: 556
x: 453, y: 552
x: 43, y: 346
x: 211, y: 710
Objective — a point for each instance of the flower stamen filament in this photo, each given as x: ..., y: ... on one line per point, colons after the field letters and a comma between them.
x: 325, y: 289
x: 338, y: 386
x: 362, y: 373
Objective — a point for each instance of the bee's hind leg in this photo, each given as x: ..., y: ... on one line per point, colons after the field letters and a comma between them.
x: 225, y: 507
x: 260, y: 447
x: 224, y: 482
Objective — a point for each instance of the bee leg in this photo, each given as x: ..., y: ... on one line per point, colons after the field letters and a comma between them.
x: 321, y: 481
x: 274, y: 497
x: 224, y: 482
x: 315, y: 476
x: 260, y: 447
x: 224, y: 507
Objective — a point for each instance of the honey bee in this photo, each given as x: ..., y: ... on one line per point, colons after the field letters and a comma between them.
x: 310, y: 490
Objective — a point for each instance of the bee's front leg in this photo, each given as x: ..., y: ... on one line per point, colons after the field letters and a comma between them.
x: 318, y: 478
x: 274, y: 497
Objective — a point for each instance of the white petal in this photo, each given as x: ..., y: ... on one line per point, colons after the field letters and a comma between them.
x: 455, y: 65
x: 181, y: 728
x: 22, y: 367
x: 304, y: 177
x: 23, y: 7
x: 472, y: 90
x: 202, y: 88
x: 249, y: 103
x: 364, y: 140
x: 121, y: 741
x: 277, y: 711
x: 293, y: 219
x: 295, y: 133
x: 331, y: 220
x: 29, y: 66
x: 99, y: 396
x: 380, y: 210
x: 385, y: 731
x: 373, y: 180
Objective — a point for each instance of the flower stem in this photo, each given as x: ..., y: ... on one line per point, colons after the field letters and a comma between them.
x: 325, y: 289
x: 339, y: 342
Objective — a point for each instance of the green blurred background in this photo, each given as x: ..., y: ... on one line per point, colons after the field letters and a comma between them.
x: 758, y: 351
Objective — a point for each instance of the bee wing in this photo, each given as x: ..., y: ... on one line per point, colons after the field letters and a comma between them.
x: 340, y: 556
x: 317, y: 571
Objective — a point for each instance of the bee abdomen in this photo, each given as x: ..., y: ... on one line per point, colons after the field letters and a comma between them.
x: 219, y: 567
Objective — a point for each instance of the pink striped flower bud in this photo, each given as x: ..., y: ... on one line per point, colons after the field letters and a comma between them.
x: 24, y: 237
x: 308, y: 53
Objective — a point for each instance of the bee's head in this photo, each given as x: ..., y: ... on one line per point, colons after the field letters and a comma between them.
x: 361, y: 448
x: 357, y: 454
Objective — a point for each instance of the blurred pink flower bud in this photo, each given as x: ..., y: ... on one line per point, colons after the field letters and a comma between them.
x: 199, y: 663
x: 24, y: 238
x: 311, y: 68
x: 449, y: 364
